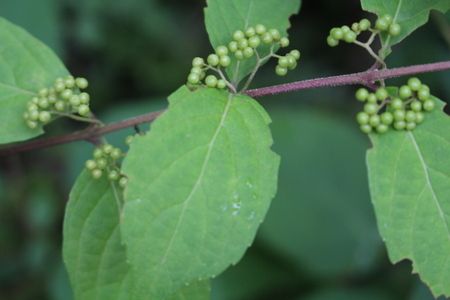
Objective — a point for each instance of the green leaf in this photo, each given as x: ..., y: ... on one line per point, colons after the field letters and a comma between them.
x: 409, y: 176
x: 410, y: 14
x: 26, y: 65
x: 224, y: 17
x: 321, y: 220
x: 93, y: 251
x: 200, y: 183
x: 349, y: 294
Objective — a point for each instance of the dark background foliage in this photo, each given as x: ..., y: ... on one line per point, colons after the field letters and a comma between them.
x: 319, y: 240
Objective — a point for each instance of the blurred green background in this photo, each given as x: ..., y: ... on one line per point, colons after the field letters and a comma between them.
x: 319, y: 241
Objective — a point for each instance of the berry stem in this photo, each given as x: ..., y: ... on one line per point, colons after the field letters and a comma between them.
x: 367, y: 47
x: 259, y: 62
x: 366, y: 78
x: 77, y: 118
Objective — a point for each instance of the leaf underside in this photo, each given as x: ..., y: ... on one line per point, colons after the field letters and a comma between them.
x: 409, y: 175
x: 26, y: 66
x: 200, y: 183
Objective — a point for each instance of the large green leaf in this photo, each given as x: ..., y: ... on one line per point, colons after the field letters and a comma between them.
x: 200, y: 183
x: 410, y: 14
x: 26, y: 65
x: 93, y: 252
x: 223, y: 17
x: 409, y: 175
x: 321, y: 220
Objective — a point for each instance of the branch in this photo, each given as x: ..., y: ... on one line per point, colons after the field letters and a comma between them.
x: 366, y: 78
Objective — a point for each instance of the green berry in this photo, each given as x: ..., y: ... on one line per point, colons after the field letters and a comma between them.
x: 248, y: 52
x: 337, y: 34
x: 32, y: 124
x: 416, y: 106
x: 372, y: 98
x: 198, y: 62
x: 284, y: 42
x: 362, y: 118
x: 362, y: 94
x: 107, y: 148
x: 102, y: 163
x: 375, y: 120
x: 295, y: 53
x: 211, y: 81
x: 98, y: 153
x: 260, y: 29
x: 423, y: 94
x: 233, y: 46
x: 400, y: 125
x: 382, y: 94
x: 43, y: 93
x: 239, y: 54
x: 43, y: 103
x: 420, y: 117
x: 276, y: 36
x: 332, y: 42
x: 75, y: 100
x: 388, y: 19
x: 59, y: 86
x: 32, y: 106
x: 428, y: 105
x: 91, y: 165
x: 33, y: 115
x: 129, y: 140
x: 414, y: 83
x: 60, y: 106
x: 45, y: 116
x: 366, y: 128
x: 243, y: 44
x: 222, y: 51
x: 364, y: 24
x: 250, y: 32
x: 410, y: 116
x: 81, y: 83
x: 371, y: 108
x: 213, y: 60
x: 382, y: 128
x: 66, y: 94
x: 123, y: 182
x: 193, y: 78
x: 267, y: 38
x: 382, y: 24
x: 225, y: 61
x: 345, y: 29
x: 238, y: 35
x: 350, y: 37
x: 410, y: 126
x: 97, y: 173
x: 397, y: 104
x: 399, y: 115
x: 283, y: 62
x: 113, y: 175
x: 405, y: 92
x: 221, y: 84
x: 394, y: 29
x: 387, y: 118
x: 292, y: 62
x: 84, y: 110
x: 84, y: 98
x: 355, y: 27
x: 254, y: 42
x: 35, y: 100
x: 281, y: 71
x: 116, y: 153
x: 69, y: 82
x: 51, y: 99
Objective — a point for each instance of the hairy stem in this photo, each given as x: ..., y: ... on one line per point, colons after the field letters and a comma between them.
x: 366, y: 78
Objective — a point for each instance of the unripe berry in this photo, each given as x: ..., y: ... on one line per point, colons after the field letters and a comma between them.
x: 66, y: 94
x: 364, y: 24
x: 410, y: 116
x: 44, y: 117
x: 91, y: 165
x: 211, y: 81
x: 284, y: 42
x: 193, y: 78
x: 414, y: 83
x: 69, y: 82
x: 129, y: 140
x: 43, y: 93
x: 260, y: 29
x: 372, y: 98
x: 225, y: 61
x: 399, y: 115
x: 102, y: 163
x: 382, y: 128
x: 283, y: 62
x: 350, y: 37
x: 32, y: 106
x: 394, y: 29
x: 243, y: 44
x: 239, y: 54
x: 382, y: 94
x: 98, y: 153
x: 423, y: 94
x: 416, y: 106
x: 60, y: 106
x: 332, y: 42
x: 222, y: 51
x: 366, y: 128
x: 60, y: 86
x: 362, y: 94
x: 32, y: 124
x: 113, y: 175
x: 254, y: 41
x: 388, y: 19
x: 238, y: 35
x: 411, y: 126
x: 362, y: 118
x: 337, y: 33
x: 420, y: 117
x: 97, y: 173
x: 107, y: 148
x: 81, y: 83
x: 428, y: 105
x: 116, y: 153
x: 250, y: 32
x: 43, y: 103
x: 295, y: 53
x: 213, y: 60
x: 371, y: 108
x: 405, y: 92
x: 248, y: 52
x: 397, y: 103
x: 75, y: 100
x: 382, y: 25
x: 276, y: 36
x: 198, y: 62
x: 33, y: 115
x: 400, y: 125
x: 387, y: 118
x: 123, y: 182
x: 355, y: 27
x: 292, y: 62
x: 375, y: 120
x: 34, y: 100
x: 345, y: 29
x: 281, y: 71
x: 221, y: 84
x: 84, y: 98
x: 267, y: 38
x: 233, y: 46
x: 84, y: 110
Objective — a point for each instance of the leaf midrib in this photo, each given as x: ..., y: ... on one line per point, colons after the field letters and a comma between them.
x: 199, y: 179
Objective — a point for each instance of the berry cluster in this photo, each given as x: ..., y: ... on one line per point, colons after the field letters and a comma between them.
x: 62, y: 99
x: 244, y: 45
x: 105, y: 160
x: 403, y: 111
x: 350, y: 34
